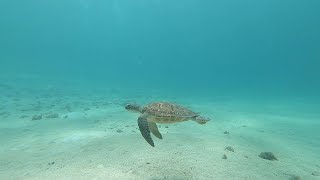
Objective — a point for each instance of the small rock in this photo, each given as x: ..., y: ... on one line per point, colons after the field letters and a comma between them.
x: 119, y: 131
x: 245, y: 156
x: 166, y: 126
x: 229, y: 148
x: 315, y: 173
x: 52, y: 115
x: 294, y: 177
x: 23, y: 116
x: 224, y: 156
x: 68, y: 108
x: 36, y: 117
x: 66, y: 116
x: 4, y: 113
x: 268, y: 156
x: 226, y: 132
x: 86, y: 109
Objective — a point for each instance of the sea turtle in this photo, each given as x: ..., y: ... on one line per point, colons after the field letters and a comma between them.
x: 162, y: 112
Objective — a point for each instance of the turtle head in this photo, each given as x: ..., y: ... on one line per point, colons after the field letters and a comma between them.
x: 133, y: 107
x: 201, y: 119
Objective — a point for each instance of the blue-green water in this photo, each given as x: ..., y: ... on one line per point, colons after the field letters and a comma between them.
x: 221, y: 45
x: 252, y: 64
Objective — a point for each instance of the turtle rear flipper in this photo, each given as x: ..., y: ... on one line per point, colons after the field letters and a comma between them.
x: 144, y: 129
x: 154, y: 129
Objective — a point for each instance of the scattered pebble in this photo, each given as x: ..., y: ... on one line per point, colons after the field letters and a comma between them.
x: 66, y: 116
x: 244, y: 126
x: 224, y: 156
x: 119, y: 131
x: 23, y: 116
x: 294, y: 177
x: 315, y: 173
x: 166, y: 126
x: 226, y: 132
x: 51, y: 163
x: 68, y: 108
x: 52, y: 115
x: 36, y: 117
x: 86, y: 109
x: 4, y: 113
x: 229, y: 148
x: 268, y: 156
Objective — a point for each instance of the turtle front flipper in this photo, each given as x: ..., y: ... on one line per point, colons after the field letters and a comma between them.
x: 144, y: 129
x: 154, y: 129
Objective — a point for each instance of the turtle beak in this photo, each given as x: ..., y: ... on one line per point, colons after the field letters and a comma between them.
x: 127, y: 107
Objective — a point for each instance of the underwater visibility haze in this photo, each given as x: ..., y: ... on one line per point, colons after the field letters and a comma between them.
x: 242, y: 79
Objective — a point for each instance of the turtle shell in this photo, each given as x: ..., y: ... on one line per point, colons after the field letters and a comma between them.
x: 166, y: 110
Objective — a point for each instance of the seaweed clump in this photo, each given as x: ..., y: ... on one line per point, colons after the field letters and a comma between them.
x: 268, y: 156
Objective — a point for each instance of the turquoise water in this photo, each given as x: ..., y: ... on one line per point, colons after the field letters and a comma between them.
x: 252, y: 67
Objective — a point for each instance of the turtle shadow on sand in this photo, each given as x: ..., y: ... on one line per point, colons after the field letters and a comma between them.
x: 164, y: 113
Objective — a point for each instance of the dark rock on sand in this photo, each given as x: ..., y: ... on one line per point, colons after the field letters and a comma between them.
x: 224, y: 156
x: 294, y: 177
x: 4, y: 113
x: 229, y: 148
x: 52, y: 115
x: 315, y: 173
x: 268, y: 156
x: 36, y: 117
x: 23, y: 116
x: 68, y: 108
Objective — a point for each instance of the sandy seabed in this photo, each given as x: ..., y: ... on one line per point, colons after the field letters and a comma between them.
x: 84, y: 137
